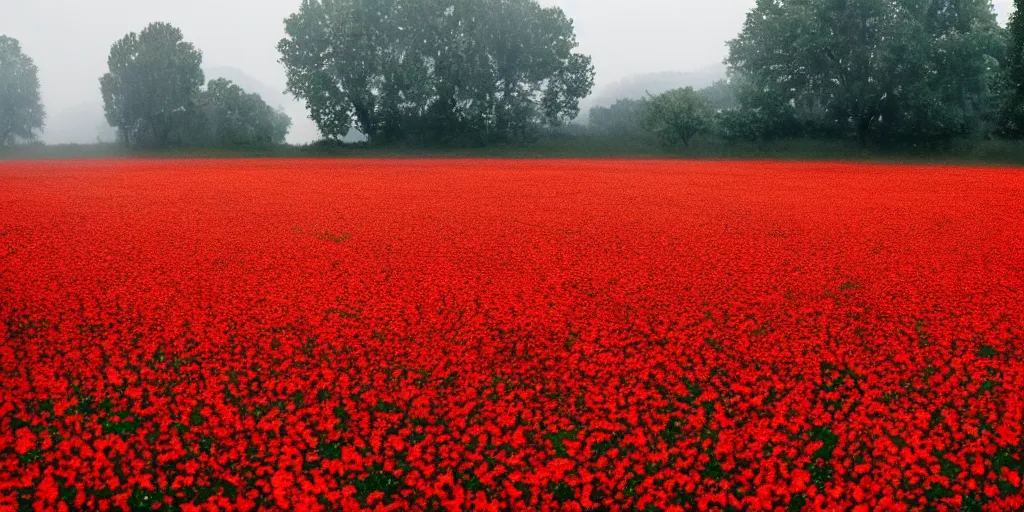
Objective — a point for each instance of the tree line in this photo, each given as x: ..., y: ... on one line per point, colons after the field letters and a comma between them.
x: 154, y: 94
x: 475, y: 72
x: 884, y: 72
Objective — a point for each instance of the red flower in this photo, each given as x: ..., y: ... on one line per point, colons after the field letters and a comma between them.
x: 510, y: 335
x: 25, y: 441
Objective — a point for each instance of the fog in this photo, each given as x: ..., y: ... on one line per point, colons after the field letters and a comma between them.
x: 634, y: 44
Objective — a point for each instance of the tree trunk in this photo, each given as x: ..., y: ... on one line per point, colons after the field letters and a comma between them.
x: 863, y: 128
x: 366, y: 122
x: 503, y: 119
x: 165, y: 133
x: 161, y: 130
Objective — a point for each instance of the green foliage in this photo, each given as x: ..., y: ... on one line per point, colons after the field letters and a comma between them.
x: 677, y: 116
x: 906, y: 72
x: 434, y: 71
x: 1012, y: 84
x: 994, y: 152
x: 228, y: 116
x: 153, y: 79
x: 153, y: 95
x: 622, y: 119
x: 748, y: 125
x: 561, y: 491
x: 720, y: 95
x: 378, y: 481
x: 733, y: 123
x: 21, y: 112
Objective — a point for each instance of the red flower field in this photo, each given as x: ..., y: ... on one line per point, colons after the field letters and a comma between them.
x: 508, y: 335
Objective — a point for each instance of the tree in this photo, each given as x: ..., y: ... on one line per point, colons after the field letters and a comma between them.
x: 433, y: 70
x: 229, y: 116
x: 677, y: 116
x: 901, y: 69
x: 153, y: 79
x: 1012, y: 108
x: 720, y: 95
x: 624, y: 118
x: 21, y: 112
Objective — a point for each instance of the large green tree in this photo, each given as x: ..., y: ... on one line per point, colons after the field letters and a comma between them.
x: 434, y: 70
x: 904, y: 70
x: 21, y: 112
x: 153, y: 78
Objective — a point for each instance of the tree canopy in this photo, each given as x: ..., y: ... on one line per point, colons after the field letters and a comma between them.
x: 228, y: 116
x: 154, y: 77
x: 1012, y: 114
x: 896, y: 70
x: 890, y: 72
x: 677, y: 116
x: 624, y: 118
x: 720, y: 95
x: 21, y: 112
x: 153, y: 94
x: 434, y: 71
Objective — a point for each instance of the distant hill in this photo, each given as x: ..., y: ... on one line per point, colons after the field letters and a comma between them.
x: 638, y: 86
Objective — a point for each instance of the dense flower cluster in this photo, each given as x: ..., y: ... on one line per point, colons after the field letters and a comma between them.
x: 495, y: 335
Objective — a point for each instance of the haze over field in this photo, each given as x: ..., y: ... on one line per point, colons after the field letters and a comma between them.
x: 636, y: 45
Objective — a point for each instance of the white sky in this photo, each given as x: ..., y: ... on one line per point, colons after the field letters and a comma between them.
x: 70, y: 39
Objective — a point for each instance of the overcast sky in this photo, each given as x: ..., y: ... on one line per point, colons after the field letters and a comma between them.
x: 70, y: 39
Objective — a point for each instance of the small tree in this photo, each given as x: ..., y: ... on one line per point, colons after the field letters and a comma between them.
x: 229, y: 116
x: 622, y: 119
x: 21, y: 112
x: 154, y: 77
x: 677, y: 116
